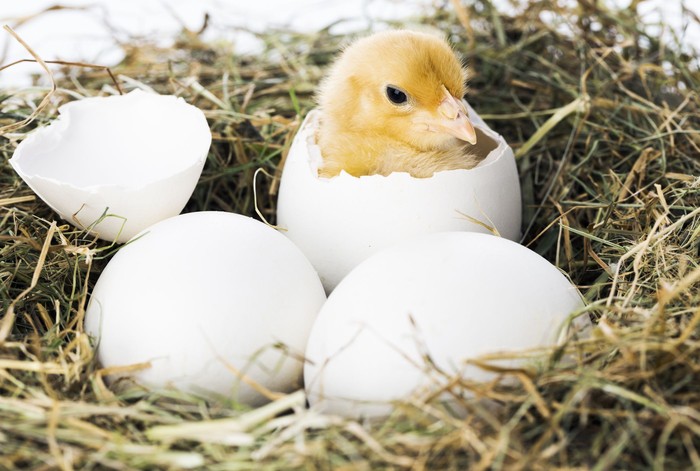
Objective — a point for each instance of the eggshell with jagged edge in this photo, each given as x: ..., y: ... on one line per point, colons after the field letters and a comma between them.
x: 116, y: 165
x: 339, y: 222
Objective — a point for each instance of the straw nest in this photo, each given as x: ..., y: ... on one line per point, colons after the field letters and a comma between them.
x: 604, y: 115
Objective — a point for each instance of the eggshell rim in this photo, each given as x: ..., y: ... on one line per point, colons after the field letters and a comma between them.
x: 63, y: 121
x: 311, y: 122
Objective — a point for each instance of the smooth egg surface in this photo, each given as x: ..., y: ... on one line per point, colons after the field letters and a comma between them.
x: 203, y: 298
x: 409, y: 318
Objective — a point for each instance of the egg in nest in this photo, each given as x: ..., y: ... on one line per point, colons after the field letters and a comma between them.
x: 340, y: 221
x: 209, y: 303
x: 410, y: 319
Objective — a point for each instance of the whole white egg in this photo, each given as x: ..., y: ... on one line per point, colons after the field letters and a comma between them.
x: 202, y: 296
x: 116, y: 165
x: 446, y: 297
x: 338, y: 222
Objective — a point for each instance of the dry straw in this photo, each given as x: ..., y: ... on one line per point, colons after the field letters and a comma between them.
x: 603, y: 112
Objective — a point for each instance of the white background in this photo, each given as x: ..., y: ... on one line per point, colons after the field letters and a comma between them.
x: 90, y: 34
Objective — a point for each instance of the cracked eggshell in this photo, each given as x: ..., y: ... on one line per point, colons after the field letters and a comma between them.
x: 338, y: 222
x: 201, y: 291
x: 447, y: 297
x: 136, y: 157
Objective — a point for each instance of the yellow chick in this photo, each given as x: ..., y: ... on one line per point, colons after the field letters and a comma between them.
x: 392, y: 102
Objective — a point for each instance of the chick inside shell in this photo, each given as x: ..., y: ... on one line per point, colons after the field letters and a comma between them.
x: 340, y: 221
x: 392, y: 102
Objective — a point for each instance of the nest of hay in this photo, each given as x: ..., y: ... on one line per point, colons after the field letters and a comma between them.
x: 604, y: 115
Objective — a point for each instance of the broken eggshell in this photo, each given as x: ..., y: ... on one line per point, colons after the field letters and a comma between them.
x: 338, y: 222
x: 116, y: 165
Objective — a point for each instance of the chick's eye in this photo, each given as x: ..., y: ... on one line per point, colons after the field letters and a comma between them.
x: 396, y: 96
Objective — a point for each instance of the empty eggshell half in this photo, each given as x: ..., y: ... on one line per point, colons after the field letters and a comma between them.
x: 338, y: 222
x: 134, y: 159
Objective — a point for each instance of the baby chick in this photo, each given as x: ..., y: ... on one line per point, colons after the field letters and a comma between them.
x: 392, y: 102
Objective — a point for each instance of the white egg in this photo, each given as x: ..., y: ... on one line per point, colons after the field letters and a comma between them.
x: 447, y: 297
x: 201, y: 296
x: 135, y: 158
x: 338, y: 222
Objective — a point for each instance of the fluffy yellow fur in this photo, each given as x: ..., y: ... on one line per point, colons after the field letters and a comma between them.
x: 363, y: 133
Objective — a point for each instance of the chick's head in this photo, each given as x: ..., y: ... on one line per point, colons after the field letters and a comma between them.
x: 404, y: 85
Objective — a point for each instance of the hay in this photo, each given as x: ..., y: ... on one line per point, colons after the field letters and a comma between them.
x: 605, y: 119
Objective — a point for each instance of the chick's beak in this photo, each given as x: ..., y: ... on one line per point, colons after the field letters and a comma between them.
x: 452, y: 119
